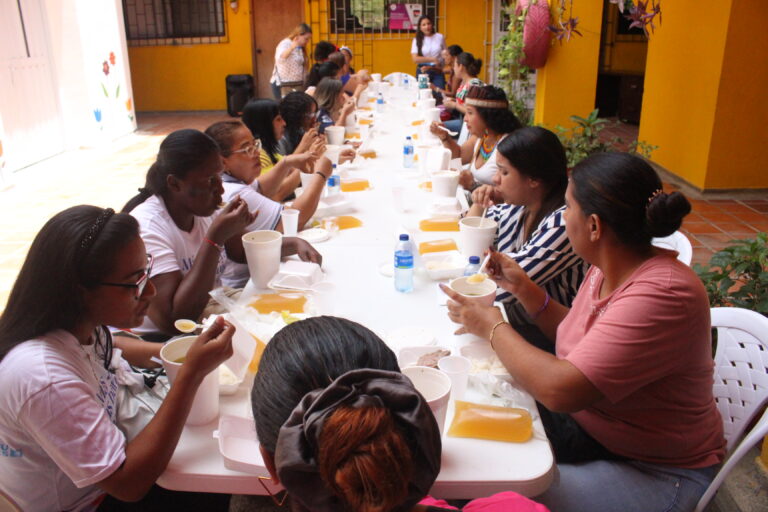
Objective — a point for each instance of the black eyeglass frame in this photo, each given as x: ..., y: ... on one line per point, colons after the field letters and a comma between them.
x: 141, y: 283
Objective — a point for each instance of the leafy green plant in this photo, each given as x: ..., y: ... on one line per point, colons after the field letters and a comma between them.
x: 513, y: 77
x: 584, y: 139
x: 737, y: 275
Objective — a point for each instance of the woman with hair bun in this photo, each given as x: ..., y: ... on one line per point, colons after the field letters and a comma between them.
x: 60, y: 369
x: 488, y: 120
x: 627, y: 400
x: 343, y: 430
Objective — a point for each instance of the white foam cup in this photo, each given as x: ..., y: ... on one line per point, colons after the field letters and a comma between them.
x: 435, y: 387
x: 205, y: 405
x: 427, y: 103
x: 332, y: 152
x: 476, y: 234
x: 432, y: 114
x: 457, y: 369
x: 290, y: 218
x: 425, y: 94
x: 445, y: 183
x: 306, y: 179
x: 483, y: 292
x: 335, y: 135
x: 262, y: 251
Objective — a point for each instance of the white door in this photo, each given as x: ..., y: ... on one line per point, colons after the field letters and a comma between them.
x: 31, y: 119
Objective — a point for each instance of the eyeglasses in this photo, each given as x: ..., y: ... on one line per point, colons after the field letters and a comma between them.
x: 141, y: 283
x: 251, y: 150
x: 312, y: 115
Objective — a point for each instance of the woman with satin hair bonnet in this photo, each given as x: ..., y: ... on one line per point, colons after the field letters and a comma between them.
x: 342, y: 429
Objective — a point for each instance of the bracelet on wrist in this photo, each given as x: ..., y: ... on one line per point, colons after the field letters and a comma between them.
x: 493, y: 331
x: 543, y: 306
x: 211, y: 242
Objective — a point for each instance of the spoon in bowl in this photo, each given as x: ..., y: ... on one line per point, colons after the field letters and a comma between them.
x: 186, y: 326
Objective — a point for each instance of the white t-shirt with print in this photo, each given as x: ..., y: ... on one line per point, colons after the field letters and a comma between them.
x: 57, y: 432
x: 431, y: 47
x: 173, y: 249
x: 235, y: 274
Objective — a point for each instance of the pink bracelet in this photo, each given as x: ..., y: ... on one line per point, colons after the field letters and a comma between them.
x: 543, y: 306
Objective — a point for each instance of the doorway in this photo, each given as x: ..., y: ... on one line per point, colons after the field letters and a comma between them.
x: 270, y: 23
x: 621, y: 72
x: 31, y: 117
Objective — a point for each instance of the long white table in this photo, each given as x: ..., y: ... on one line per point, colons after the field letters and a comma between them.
x: 351, y: 260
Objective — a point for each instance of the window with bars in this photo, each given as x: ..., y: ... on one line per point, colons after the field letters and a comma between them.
x: 154, y: 22
x: 372, y: 16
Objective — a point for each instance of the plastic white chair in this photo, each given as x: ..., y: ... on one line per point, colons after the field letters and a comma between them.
x: 677, y: 242
x: 741, y: 384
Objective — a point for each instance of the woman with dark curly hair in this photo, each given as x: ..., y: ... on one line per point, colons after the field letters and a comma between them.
x: 488, y: 120
x: 299, y: 111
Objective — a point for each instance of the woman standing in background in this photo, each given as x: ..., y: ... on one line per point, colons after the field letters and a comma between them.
x: 426, y: 51
x: 290, y: 60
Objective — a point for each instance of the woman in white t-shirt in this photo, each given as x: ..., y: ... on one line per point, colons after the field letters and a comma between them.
x: 291, y: 59
x: 189, y: 238
x: 427, y: 51
x: 87, y: 268
x: 242, y: 166
x: 488, y: 120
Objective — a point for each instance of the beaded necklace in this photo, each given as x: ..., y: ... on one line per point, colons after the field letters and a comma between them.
x: 486, y: 152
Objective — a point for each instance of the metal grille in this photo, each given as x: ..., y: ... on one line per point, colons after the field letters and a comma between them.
x: 170, y: 22
x: 372, y: 16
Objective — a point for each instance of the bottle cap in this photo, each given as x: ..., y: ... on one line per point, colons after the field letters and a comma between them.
x: 474, y: 260
x: 408, y: 137
x: 404, y: 237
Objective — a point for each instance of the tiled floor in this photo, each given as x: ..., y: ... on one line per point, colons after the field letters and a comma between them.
x: 110, y: 175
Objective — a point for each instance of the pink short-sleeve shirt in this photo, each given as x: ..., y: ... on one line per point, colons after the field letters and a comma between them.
x: 647, y: 348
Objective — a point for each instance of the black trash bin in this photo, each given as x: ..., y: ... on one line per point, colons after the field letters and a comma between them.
x: 239, y: 91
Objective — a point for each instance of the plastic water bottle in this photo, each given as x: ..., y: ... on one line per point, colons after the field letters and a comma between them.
x: 404, y: 265
x: 380, y: 103
x: 408, y: 152
x: 473, y: 267
x: 334, y: 185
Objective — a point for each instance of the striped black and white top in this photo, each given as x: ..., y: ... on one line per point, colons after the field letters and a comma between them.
x: 547, y: 257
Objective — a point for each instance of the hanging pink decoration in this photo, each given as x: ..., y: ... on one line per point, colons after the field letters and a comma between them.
x: 536, y: 33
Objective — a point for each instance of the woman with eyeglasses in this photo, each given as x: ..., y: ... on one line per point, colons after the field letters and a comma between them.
x: 187, y: 232
x: 299, y: 112
x: 241, y: 170
x: 62, y: 450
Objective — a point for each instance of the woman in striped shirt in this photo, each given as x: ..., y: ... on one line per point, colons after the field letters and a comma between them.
x: 527, y: 201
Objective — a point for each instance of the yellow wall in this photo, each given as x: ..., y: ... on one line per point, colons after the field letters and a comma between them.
x: 566, y: 85
x: 740, y: 134
x: 191, y: 77
x: 681, y: 86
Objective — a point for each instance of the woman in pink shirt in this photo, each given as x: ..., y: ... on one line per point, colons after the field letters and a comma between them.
x: 627, y: 400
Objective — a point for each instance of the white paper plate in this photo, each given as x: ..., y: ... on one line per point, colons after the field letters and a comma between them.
x: 314, y: 235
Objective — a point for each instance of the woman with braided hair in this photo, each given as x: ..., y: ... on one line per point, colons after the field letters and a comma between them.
x: 87, y: 268
x: 341, y: 429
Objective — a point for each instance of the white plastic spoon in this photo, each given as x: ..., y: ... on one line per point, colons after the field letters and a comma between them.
x: 184, y: 325
x: 449, y: 132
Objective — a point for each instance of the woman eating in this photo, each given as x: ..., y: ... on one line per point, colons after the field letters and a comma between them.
x: 488, y: 120
x: 527, y: 201
x: 466, y: 68
x: 279, y: 176
x: 299, y: 112
x: 189, y: 237
x: 240, y: 155
x: 88, y: 268
x: 334, y: 105
x: 627, y: 400
x: 340, y: 428
x: 426, y: 51
x: 291, y: 60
